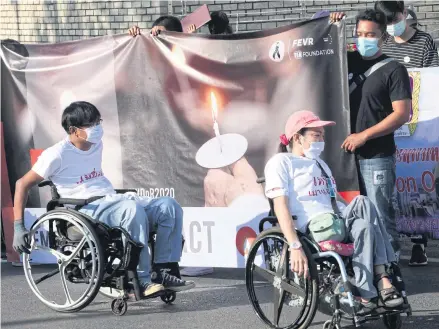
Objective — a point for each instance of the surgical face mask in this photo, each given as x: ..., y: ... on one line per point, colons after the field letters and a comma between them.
x: 94, y: 134
x: 397, y: 29
x: 314, y: 150
x: 367, y: 47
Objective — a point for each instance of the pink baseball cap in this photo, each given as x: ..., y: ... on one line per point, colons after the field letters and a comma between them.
x: 299, y: 120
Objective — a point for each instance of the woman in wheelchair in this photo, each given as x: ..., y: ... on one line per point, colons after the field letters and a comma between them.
x: 300, y: 183
x: 74, y: 165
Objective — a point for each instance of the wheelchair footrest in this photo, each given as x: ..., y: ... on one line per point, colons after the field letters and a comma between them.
x: 380, y: 311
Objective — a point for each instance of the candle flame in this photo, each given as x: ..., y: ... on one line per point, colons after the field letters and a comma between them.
x: 214, y: 106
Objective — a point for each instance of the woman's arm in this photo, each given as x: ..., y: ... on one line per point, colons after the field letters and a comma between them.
x: 298, y: 260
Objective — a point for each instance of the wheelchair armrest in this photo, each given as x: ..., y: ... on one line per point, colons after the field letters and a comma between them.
x: 77, y: 202
x: 122, y: 191
x: 260, y: 180
x: 53, y: 190
x: 46, y: 183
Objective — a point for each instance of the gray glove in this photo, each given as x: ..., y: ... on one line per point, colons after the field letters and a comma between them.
x: 21, y: 237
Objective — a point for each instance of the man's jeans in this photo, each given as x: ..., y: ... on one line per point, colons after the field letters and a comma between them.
x: 377, y: 182
x: 162, y: 215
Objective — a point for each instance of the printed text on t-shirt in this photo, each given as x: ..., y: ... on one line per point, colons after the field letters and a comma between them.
x: 89, y: 176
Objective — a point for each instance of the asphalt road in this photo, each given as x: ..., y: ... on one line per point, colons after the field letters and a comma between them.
x: 219, y: 301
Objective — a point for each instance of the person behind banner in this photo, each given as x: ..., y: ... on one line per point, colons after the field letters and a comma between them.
x: 163, y: 23
x: 74, y: 165
x: 219, y: 23
x: 411, y: 47
x: 380, y: 103
x: 300, y: 183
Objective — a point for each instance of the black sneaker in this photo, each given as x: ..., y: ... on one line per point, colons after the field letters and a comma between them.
x: 171, y: 282
x: 419, y: 257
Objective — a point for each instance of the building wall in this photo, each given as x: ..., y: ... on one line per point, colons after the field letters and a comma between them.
x: 31, y: 21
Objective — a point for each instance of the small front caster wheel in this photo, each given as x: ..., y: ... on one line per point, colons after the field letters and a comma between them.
x: 119, y: 307
x: 169, y: 297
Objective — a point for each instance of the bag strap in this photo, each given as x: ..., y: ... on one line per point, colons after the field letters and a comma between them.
x: 328, y: 181
x: 359, y: 79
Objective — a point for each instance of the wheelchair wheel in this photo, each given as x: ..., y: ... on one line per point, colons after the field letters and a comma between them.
x: 268, y: 261
x: 119, y: 306
x: 392, y: 321
x: 80, y: 261
x: 169, y: 297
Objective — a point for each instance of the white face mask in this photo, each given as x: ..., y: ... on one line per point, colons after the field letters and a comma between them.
x: 315, y: 149
x: 94, y: 134
x: 397, y: 29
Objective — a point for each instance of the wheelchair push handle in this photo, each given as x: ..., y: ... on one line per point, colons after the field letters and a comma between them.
x: 260, y: 180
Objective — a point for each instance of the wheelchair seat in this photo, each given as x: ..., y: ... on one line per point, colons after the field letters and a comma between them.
x: 343, y: 249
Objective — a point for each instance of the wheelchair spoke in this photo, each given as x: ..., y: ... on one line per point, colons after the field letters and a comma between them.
x: 278, y: 303
x: 57, y: 254
x: 266, y: 274
x: 64, y: 284
x: 293, y: 289
x: 75, y: 252
x: 282, y: 268
x: 288, y: 285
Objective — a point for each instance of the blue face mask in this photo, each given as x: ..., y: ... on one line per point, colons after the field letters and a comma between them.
x: 397, y: 29
x: 367, y: 47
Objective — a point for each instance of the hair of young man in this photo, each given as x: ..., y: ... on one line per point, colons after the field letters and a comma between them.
x: 218, y: 23
x: 170, y: 23
x: 283, y: 148
x: 80, y: 114
x: 390, y: 9
x: 15, y: 46
x: 373, y: 16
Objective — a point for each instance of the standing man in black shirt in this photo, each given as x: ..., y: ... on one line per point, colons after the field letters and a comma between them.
x: 414, y: 49
x: 380, y: 100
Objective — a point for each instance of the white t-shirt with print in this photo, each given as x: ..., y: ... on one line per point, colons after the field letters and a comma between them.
x: 76, y: 174
x: 303, y: 182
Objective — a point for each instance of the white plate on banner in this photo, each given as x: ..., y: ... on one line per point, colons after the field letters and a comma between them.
x: 213, y: 155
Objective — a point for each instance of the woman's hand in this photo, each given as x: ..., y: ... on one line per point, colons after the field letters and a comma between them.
x: 299, y: 262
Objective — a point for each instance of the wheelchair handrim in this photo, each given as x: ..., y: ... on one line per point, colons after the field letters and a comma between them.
x: 87, y: 232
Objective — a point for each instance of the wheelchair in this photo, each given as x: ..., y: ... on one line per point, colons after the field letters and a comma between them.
x: 100, y: 258
x: 328, y: 287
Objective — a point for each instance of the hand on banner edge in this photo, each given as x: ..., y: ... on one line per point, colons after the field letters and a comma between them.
x: 336, y: 16
x: 192, y: 28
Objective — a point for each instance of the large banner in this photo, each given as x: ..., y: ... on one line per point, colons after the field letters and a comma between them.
x: 417, y: 159
x: 188, y: 116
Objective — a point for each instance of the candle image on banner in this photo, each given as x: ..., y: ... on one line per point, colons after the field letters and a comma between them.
x: 221, y: 150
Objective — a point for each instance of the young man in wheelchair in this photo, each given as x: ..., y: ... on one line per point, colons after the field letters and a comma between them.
x: 74, y: 165
x: 300, y: 183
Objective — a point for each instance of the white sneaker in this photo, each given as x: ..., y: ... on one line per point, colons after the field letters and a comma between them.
x: 196, y: 271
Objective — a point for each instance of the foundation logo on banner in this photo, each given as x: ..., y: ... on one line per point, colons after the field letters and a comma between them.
x: 277, y: 51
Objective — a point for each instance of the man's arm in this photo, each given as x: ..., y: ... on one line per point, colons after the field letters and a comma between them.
x: 21, y: 234
x: 22, y: 188
x: 399, y: 116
